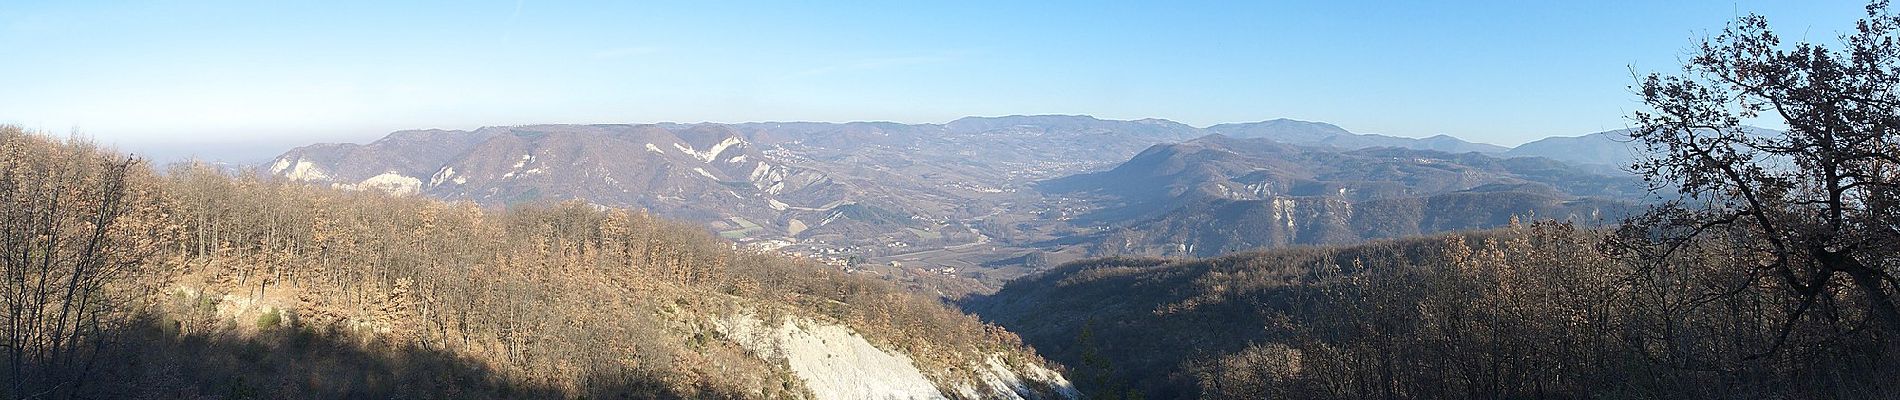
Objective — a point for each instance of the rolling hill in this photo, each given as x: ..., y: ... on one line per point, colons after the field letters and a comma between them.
x: 1219, y: 194
x: 985, y: 189
x: 1320, y: 134
x: 226, y: 286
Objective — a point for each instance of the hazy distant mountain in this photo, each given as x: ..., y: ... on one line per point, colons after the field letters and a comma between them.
x: 703, y: 172
x: 1158, y: 129
x: 861, y: 187
x: 1323, y: 134
x: 1219, y: 166
x: 1220, y: 194
x: 882, y: 188
x: 1602, y: 148
x: 1608, y: 148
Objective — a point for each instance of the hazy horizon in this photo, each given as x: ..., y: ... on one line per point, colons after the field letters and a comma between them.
x: 242, y: 81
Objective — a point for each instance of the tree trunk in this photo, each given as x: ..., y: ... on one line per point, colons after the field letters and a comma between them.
x: 1879, y: 302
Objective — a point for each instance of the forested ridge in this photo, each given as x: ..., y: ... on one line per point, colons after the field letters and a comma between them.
x: 125, y: 282
x: 1769, y: 270
x: 1530, y: 311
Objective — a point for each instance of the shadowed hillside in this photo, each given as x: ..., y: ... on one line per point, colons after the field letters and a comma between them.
x: 1537, y: 311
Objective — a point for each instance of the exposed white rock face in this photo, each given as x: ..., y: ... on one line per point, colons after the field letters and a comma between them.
x: 447, y: 174
x: 393, y: 183
x: 516, y: 170
x: 721, y: 148
x: 999, y: 381
x: 1283, y: 209
x: 760, y: 173
x: 768, y: 178
x: 299, y: 170
x: 833, y: 361
x: 296, y: 169
x: 710, y: 154
x: 837, y: 363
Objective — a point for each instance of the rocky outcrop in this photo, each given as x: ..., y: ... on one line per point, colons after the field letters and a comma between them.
x: 837, y: 363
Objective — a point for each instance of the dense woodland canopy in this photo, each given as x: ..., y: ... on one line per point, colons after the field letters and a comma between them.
x: 1533, y: 311
x: 122, y: 282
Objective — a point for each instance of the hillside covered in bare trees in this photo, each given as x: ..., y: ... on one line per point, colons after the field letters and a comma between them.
x: 1529, y: 311
x: 121, y: 281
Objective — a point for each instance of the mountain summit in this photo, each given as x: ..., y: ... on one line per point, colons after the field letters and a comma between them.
x: 1323, y: 134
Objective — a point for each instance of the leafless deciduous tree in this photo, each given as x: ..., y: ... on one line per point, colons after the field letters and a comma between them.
x: 69, y: 225
x: 1817, y: 204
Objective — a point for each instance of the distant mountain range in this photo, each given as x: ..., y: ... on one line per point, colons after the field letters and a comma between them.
x: 708, y: 173
x: 1052, y: 183
x: 1608, y: 148
x: 1323, y: 134
x: 1218, y: 194
x: 1601, y: 148
x: 864, y: 184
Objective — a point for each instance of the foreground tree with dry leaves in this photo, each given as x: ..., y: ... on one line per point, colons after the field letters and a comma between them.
x: 73, y: 220
x: 1813, y: 210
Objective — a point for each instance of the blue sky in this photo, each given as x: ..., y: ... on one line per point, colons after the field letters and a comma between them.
x: 244, y: 76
